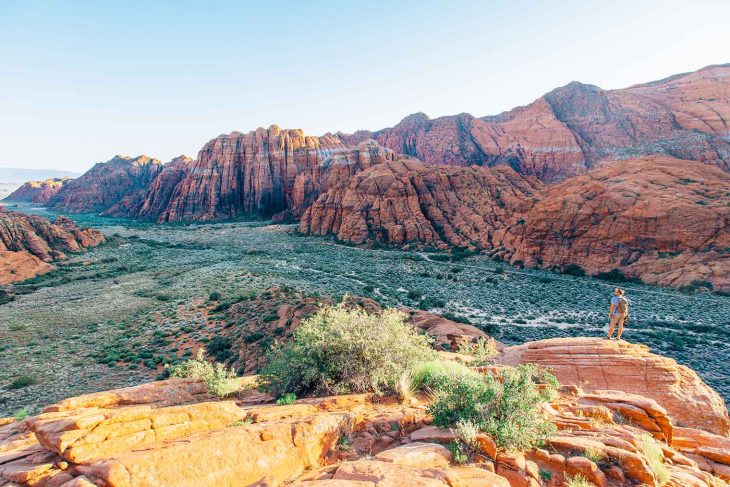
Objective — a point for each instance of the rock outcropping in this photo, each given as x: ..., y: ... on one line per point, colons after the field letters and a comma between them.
x: 578, y: 126
x: 597, y: 364
x: 407, y: 202
x: 28, y: 244
x: 173, y: 433
x: 263, y: 172
x: 106, y: 184
x: 663, y: 220
x: 38, y: 191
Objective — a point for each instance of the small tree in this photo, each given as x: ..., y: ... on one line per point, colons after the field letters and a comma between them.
x: 341, y: 350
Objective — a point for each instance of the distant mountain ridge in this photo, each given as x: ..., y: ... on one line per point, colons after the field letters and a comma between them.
x: 335, y: 183
x: 572, y: 128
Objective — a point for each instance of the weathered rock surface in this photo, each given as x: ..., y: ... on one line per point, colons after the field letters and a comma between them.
x: 596, y: 364
x: 28, y: 244
x: 106, y: 184
x: 172, y: 433
x: 663, y: 220
x: 263, y: 172
x: 153, y: 200
x: 38, y: 191
x: 408, y: 203
x: 578, y: 126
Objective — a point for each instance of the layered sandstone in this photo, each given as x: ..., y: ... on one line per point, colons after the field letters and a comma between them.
x: 106, y: 184
x: 172, y: 433
x: 660, y: 219
x: 663, y: 220
x: 597, y: 364
x: 263, y: 172
x: 28, y: 244
x: 408, y: 203
x: 578, y: 126
x: 149, y: 202
x: 38, y: 191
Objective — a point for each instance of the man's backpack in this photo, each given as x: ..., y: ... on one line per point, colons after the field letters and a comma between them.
x: 623, y: 307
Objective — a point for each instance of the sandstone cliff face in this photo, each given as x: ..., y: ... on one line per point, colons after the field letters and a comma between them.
x: 660, y: 219
x: 29, y: 243
x: 38, y: 191
x: 106, y: 184
x: 657, y: 218
x: 264, y: 172
x: 578, y: 126
x: 408, y: 203
x: 149, y: 202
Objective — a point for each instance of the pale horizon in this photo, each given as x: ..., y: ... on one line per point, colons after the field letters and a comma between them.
x: 83, y: 84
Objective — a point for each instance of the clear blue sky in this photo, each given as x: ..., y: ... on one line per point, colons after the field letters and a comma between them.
x: 81, y: 81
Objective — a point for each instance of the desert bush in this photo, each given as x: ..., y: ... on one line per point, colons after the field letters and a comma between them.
x: 594, y: 454
x: 577, y: 480
x: 655, y: 458
x: 574, y: 270
x: 458, y: 451
x: 341, y: 350
x: 220, y: 347
x: 22, y: 381
x: 218, y: 380
x: 483, y: 351
x: 438, y: 374
x: 286, y: 399
x: 506, y: 408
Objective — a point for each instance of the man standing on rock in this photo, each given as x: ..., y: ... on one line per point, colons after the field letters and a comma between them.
x: 618, y: 313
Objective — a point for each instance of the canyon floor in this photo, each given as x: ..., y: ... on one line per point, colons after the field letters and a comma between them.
x: 148, y: 289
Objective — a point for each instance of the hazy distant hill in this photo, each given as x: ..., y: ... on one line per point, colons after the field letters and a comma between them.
x: 11, y: 178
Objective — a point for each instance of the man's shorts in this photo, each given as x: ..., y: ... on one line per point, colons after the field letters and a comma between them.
x: 617, y: 320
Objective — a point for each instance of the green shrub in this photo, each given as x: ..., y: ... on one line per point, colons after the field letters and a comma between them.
x: 286, y: 399
x: 22, y: 381
x: 459, y: 455
x: 577, y: 480
x: 574, y: 270
x: 21, y: 414
x: 220, y: 347
x: 341, y: 350
x: 483, y: 351
x: 437, y: 374
x: 655, y: 458
x: 506, y: 408
x: 214, y: 296
x: 218, y: 380
x: 594, y: 454
x: 546, y: 475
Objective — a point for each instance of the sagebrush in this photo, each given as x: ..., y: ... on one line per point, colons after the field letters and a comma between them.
x: 342, y: 349
x: 507, y: 408
x: 218, y: 380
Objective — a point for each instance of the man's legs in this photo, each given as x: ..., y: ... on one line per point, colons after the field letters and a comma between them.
x: 620, y: 327
x: 611, y: 326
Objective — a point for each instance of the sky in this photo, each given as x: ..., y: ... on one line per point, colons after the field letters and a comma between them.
x: 82, y: 81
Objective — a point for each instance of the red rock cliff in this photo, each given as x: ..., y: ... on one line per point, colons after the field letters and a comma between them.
x: 407, y: 203
x: 106, y: 184
x: 29, y: 243
x: 266, y: 171
x: 661, y: 219
x: 578, y: 126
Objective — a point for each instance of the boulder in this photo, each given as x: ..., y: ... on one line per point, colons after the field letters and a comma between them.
x: 596, y: 364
